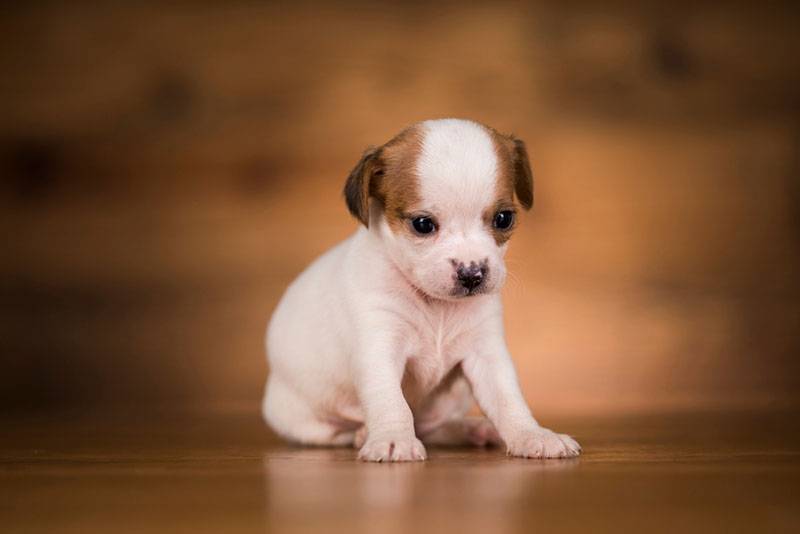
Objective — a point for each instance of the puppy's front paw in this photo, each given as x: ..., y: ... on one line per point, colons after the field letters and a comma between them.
x: 542, y: 443
x: 392, y: 449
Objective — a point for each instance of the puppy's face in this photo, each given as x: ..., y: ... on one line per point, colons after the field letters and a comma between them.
x: 443, y: 196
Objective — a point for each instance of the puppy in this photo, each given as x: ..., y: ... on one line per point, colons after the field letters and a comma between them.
x: 385, y: 340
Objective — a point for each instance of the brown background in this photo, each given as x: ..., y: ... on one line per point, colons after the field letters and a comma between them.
x: 167, y: 168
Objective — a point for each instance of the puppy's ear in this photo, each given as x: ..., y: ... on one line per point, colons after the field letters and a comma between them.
x: 357, y: 186
x: 523, y: 177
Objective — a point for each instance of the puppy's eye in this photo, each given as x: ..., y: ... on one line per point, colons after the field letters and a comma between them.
x: 503, y: 220
x: 423, y: 225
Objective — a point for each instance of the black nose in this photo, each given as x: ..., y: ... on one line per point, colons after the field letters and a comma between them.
x: 470, y: 277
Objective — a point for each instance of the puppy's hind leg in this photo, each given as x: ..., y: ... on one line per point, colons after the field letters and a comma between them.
x: 289, y: 415
x: 467, y: 431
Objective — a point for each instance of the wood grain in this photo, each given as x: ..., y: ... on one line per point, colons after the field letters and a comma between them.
x: 212, y: 472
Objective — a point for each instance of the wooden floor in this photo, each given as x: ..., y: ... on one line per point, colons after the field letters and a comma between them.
x: 224, y: 473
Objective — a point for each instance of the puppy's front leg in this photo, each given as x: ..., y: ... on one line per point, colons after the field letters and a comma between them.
x: 494, y: 384
x: 388, y: 418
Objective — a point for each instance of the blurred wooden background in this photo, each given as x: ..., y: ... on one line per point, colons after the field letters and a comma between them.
x: 167, y: 168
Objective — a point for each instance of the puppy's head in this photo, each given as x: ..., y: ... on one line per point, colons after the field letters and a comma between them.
x: 443, y: 197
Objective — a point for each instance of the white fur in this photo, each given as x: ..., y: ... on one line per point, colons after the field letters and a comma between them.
x: 367, y: 347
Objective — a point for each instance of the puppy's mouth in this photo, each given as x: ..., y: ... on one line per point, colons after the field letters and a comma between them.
x: 459, y: 292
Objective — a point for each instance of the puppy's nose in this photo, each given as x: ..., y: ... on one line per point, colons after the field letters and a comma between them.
x: 470, y: 277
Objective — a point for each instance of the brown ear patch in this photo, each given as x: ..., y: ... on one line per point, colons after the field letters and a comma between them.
x: 356, y: 188
x: 523, y: 177
x: 386, y: 174
x: 514, y: 170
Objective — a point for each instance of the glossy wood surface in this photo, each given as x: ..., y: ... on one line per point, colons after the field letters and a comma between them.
x: 224, y: 473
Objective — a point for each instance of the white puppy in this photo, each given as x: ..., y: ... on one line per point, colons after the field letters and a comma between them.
x: 388, y: 337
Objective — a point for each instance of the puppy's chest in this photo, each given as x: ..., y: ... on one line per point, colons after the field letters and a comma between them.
x: 435, y: 343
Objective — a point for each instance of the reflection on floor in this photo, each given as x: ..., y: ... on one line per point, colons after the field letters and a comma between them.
x: 224, y: 473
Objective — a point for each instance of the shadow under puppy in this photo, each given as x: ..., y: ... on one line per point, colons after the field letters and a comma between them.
x: 386, y: 339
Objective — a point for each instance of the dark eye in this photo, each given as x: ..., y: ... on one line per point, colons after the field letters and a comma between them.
x: 423, y: 225
x: 503, y: 219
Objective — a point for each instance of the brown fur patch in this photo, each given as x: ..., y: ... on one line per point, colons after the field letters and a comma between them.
x: 397, y: 187
x: 514, y: 178
x: 356, y: 187
x: 386, y: 174
x: 500, y: 236
x: 523, y: 176
x: 514, y: 172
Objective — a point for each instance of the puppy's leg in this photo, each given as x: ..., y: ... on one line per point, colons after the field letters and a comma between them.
x: 442, y: 420
x: 360, y: 437
x: 494, y: 383
x: 290, y: 416
x: 467, y: 431
x: 388, y: 419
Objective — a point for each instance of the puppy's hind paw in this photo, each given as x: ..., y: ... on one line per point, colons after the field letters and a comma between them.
x: 390, y: 449
x: 482, y: 433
